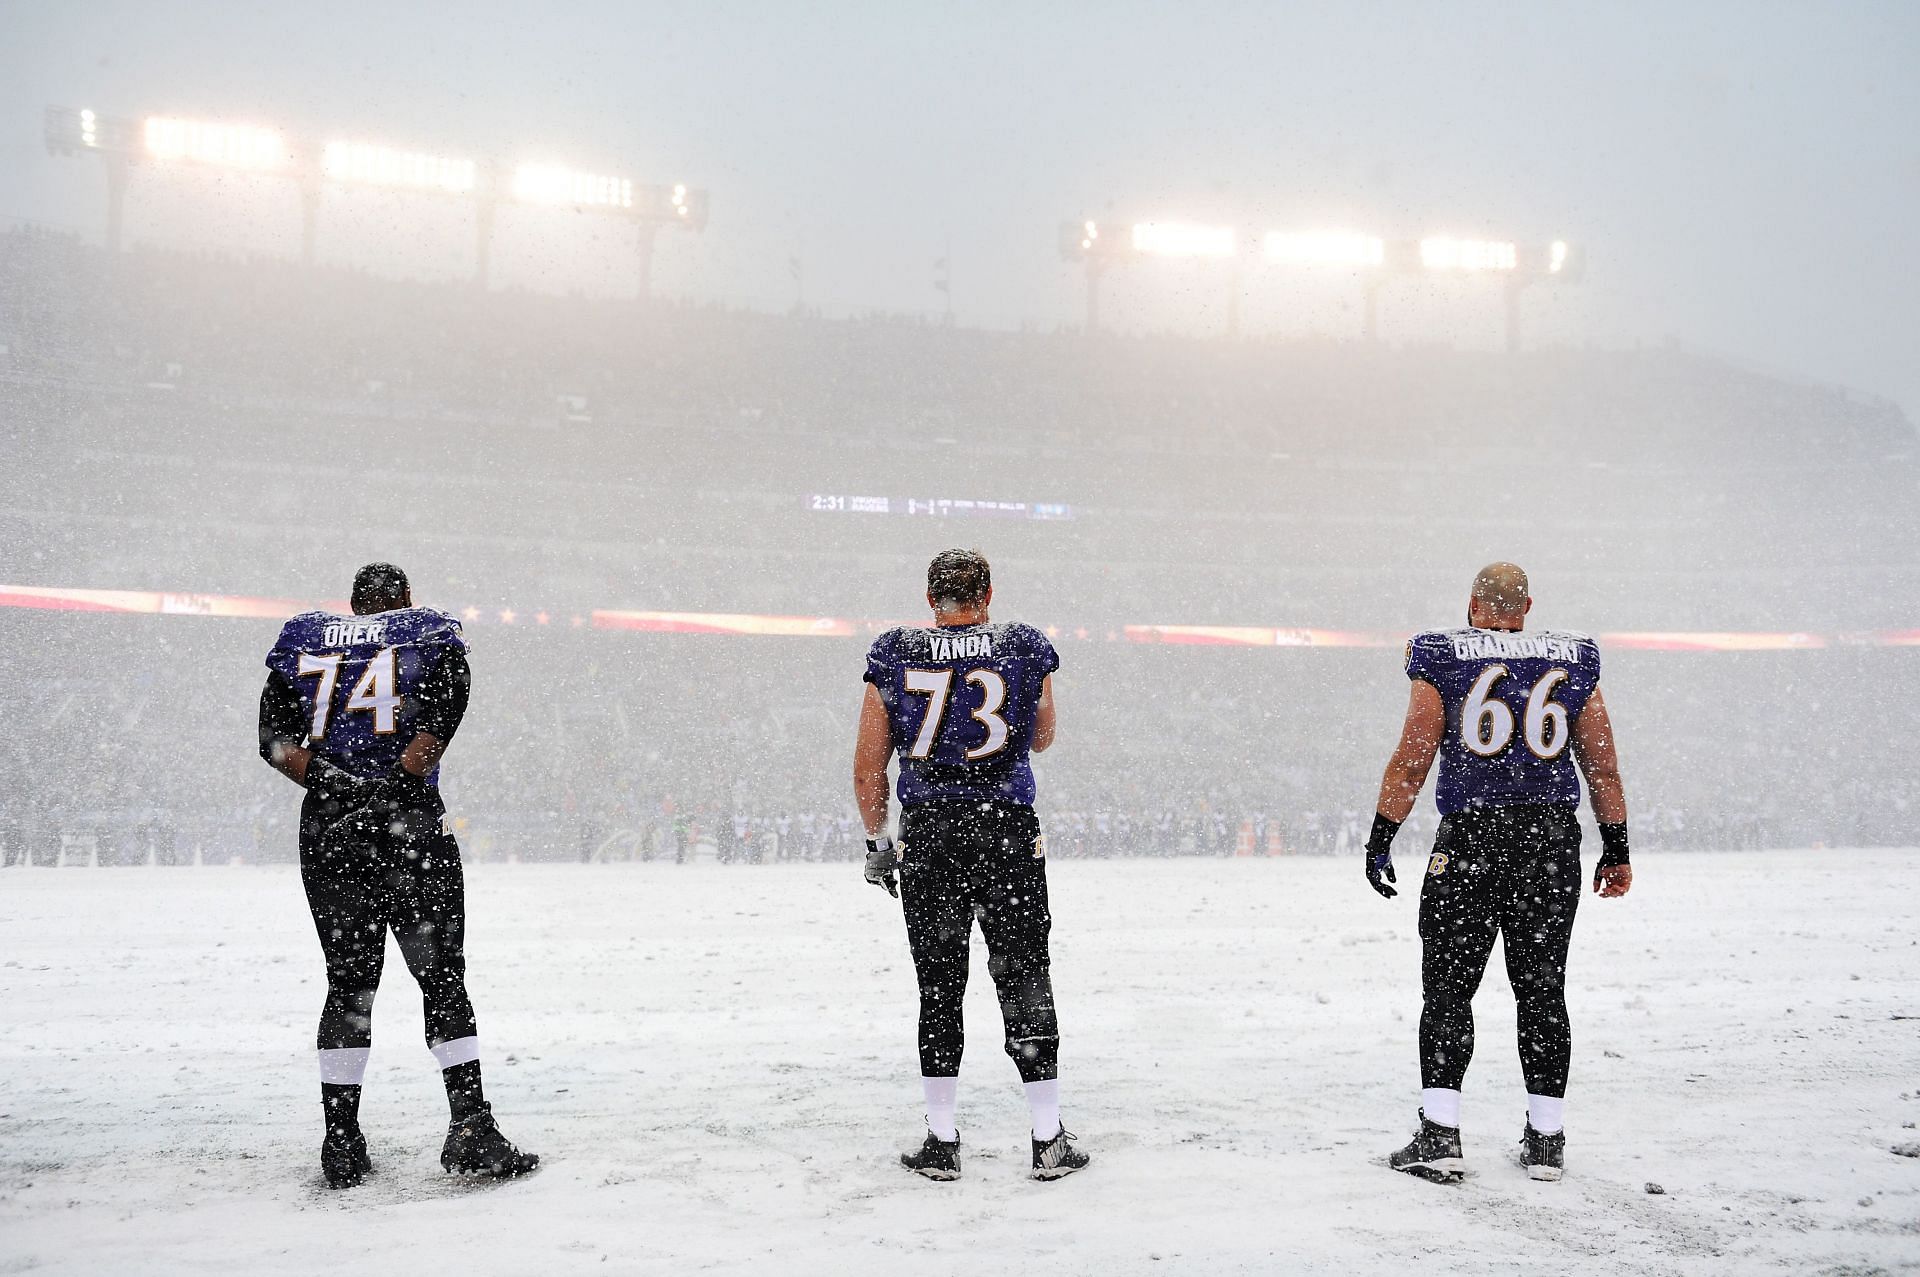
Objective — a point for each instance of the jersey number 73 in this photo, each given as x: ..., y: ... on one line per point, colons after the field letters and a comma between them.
x: 937, y: 687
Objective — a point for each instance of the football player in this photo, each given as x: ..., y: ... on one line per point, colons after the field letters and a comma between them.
x: 965, y: 701
x: 1511, y: 715
x: 358, y: 710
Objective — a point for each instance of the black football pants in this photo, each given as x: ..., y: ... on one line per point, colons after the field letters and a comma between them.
x: 1512, y: 872
x: 375, y: 874
x: 964, y: 860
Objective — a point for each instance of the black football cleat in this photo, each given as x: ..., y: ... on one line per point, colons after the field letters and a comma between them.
x: 936, y: 1159
x: 1057, y: 1158
x: 475, y: 1146
x: 1544, y: 1156
x: 1433, y: 1155
x: 343, y: 1157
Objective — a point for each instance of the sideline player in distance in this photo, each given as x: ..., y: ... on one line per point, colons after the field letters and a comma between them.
x: 965, y: 701
x: 1503, y: 710
x: 358, y: 710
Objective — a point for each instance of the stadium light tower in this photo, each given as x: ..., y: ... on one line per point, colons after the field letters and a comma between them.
x: 1516, y: 265
x: 1100, y: 247
x: 116, y: 141
x: 345, y: 162
x: 651, y: 207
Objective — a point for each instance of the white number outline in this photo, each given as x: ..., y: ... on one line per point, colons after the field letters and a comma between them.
x: 328, y: 670
x: 934, y: 685
x: 1486, y: 725
x: 374, y: 693
x: 1541, y: 710
x: 993, y: 698
x: 1477, y: 710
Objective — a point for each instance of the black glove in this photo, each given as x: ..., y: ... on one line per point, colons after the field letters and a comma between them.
x: 1380, y: 855
x: 337, y: 786
x: 882, y: 856
x: 401, y: 788
x: 1613, y: 850
x: 375, y: 801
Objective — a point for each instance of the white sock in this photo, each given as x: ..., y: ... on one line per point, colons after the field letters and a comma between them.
x: 459, y: 1051
x: 1043, y: 1098
x: 1443, y: 1107
x: 1547, y: 1113
x: 942, y: 1095
x: 344, y: 1065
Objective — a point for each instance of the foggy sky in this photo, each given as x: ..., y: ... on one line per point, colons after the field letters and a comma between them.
x: 1742, y: 175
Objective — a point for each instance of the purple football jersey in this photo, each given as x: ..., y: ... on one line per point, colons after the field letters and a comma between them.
x: 961, y: 701
x: 358, y: 676
x: 1512, y: 700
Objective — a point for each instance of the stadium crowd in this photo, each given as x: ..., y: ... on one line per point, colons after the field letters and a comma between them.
x: 186, y: 423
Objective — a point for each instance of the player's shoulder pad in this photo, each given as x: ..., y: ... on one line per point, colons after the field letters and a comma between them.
x: 887, y: 644
x: 302, y: 632
x: 1427, y: 648
x: 1585, y: 645
x: 1030, y: 640
x: 425, y: 627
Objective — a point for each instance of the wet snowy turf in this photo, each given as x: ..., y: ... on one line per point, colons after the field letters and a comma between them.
x: 716, y: 1064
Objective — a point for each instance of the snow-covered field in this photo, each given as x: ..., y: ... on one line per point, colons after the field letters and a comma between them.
x: 717, y: 1065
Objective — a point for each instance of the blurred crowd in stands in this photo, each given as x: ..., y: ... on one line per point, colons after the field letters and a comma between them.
x: 189, y: 423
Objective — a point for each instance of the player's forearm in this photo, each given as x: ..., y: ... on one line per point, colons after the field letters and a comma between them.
x: 287, y: 758
x: 1608, y: 795
x: 1400, y: 788
x: 870, y: 795
x: 422, y: 754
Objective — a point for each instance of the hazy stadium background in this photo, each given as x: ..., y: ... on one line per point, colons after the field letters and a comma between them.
x: 1704, y: 434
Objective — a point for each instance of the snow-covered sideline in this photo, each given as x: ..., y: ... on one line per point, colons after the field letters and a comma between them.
x: 717, y: 1065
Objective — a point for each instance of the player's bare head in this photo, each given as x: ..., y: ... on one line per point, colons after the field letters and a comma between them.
x: 959, y: 580
x: 1499, y: 595
x: 380, y: 587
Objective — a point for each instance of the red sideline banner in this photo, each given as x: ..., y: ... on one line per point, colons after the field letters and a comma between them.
x: 155, y: 602
x: 724, y: 623
x: 151, y: 601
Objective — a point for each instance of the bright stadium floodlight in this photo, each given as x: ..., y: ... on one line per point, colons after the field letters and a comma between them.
x: 1182, y: 239
x: 1556, y: 257
x: 203, y: 142
x: 1345, y: 249
x: 373, y: 165
x: 557, y: 184
x: 1445, y: 253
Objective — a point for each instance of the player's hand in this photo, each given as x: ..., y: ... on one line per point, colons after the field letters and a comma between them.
x: 882, y: 856
x: 1380, y: 855
x: 337, y: 785
x: 400, y: 789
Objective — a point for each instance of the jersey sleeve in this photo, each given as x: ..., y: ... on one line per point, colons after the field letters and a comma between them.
x: 283, y: 718
x: 1046, y: 660
x: 1586, y: 672
x: 444, y: 691
x: 880, y: 662
x: 284, y: 658
x: 1425, y: 655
